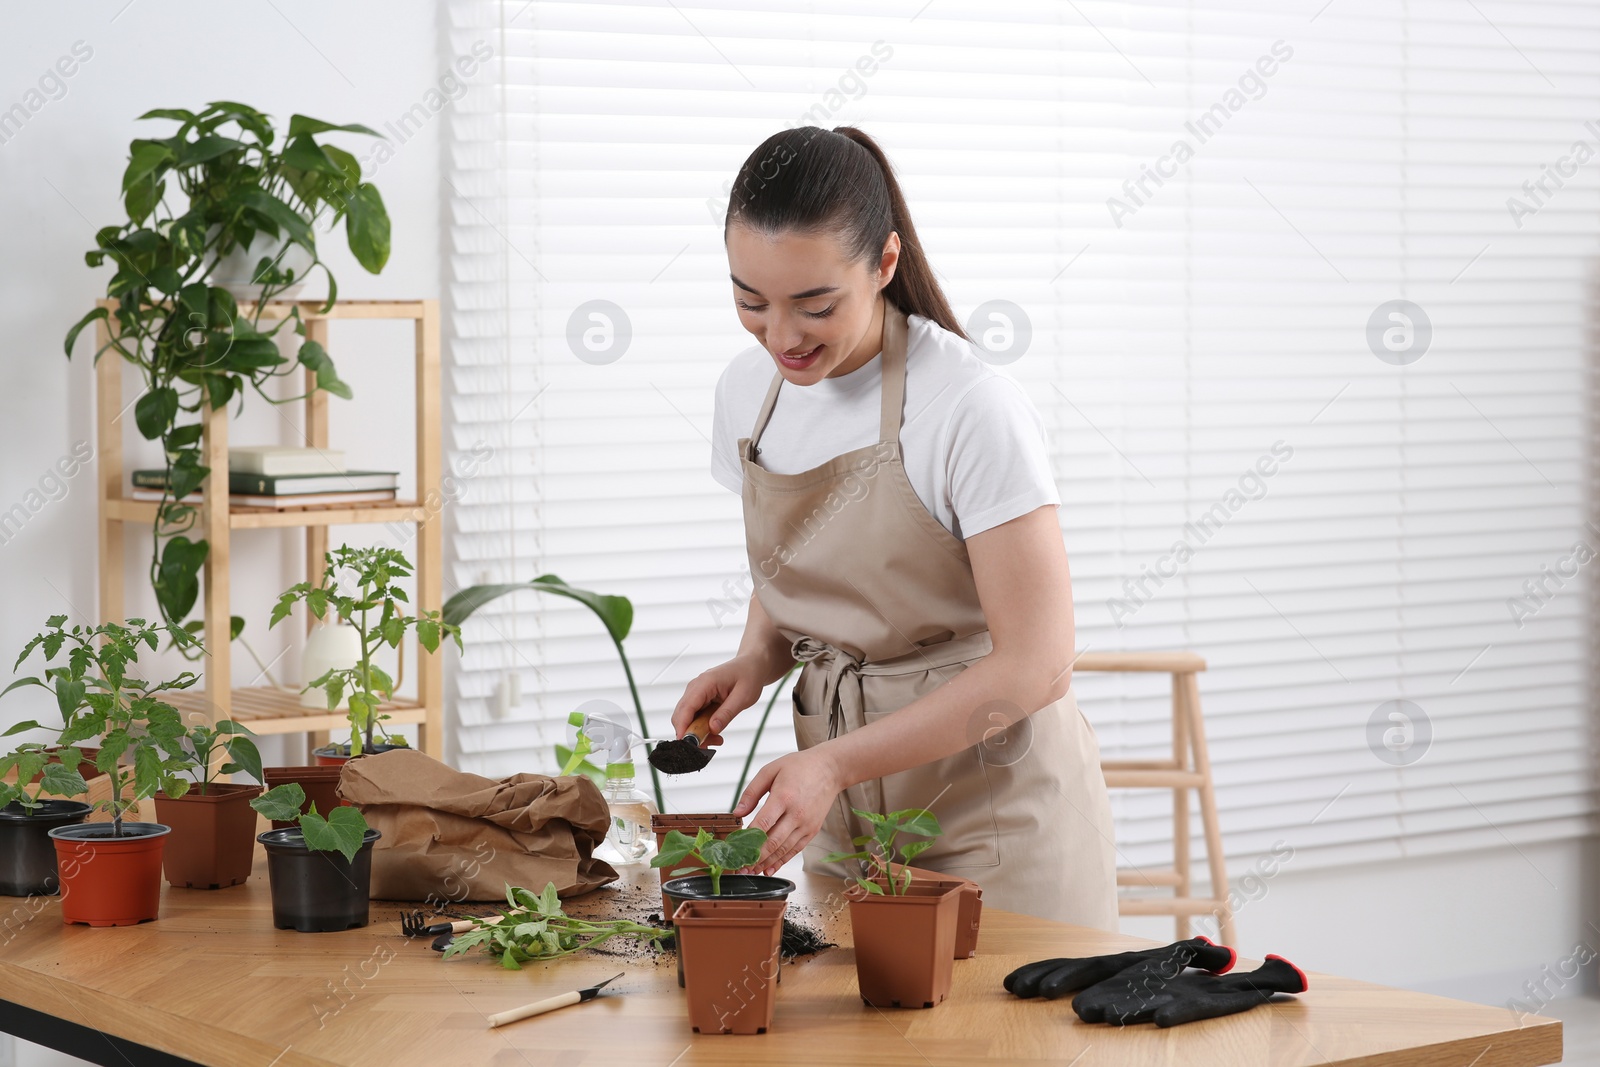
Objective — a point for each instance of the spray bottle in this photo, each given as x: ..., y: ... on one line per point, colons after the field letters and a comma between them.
x: 630, y: 839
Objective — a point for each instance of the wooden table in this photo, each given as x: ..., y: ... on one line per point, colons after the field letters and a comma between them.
x: 212, y: 982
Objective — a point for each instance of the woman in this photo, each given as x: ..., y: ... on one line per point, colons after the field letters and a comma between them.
x: 900, y: 520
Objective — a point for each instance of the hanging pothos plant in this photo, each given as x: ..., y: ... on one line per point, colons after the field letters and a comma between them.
x: 187, y: 336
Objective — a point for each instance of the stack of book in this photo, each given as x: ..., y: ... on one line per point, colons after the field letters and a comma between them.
x: 275, y: 477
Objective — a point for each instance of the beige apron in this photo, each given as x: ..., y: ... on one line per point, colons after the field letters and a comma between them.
x: 878, y: 600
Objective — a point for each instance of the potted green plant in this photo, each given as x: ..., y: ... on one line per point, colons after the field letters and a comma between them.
x: 27, y: 855
x: 718, y: 824
x: 111, y: 872
x: 374, y: 609
x: 213, y: 827
x: 717, y: 851
x: 904, y: 930
x: 320, y: 869
x: 244, y: 227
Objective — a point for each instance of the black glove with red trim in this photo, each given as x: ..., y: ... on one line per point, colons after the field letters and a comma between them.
x: 1053, y: 978
x: 1154, y: 991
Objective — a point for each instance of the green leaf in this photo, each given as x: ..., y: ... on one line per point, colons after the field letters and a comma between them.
x: 207, y: 148
x: 919, y: 821
x: 303, y: 153
x: 913, y: 850
x: 342, y: 831
x: 281, y: 803
x: 69, y: 696
x: 20, y: 682
x: 615, y: 612
x: 428, y: 634
x: 281, y: 215
x: 154, y: 411
x: 145, y: 159
x: 740, y: 848
x: 873, y: 887
x: 302, y: 124
x: 77, y: 327
x: 244, y: 755
x: 366, y: 226
x: 60, y: 780
x: 674, y: 847
x: 24, y: 726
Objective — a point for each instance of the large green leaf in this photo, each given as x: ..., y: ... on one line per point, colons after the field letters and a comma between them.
x: 281, y: 803
x: 77, y: 327
x: 154, y: 412
x: 299, y: 124
x: 342, y: 831
x: 615, y: 612
x: 366, y: 227
x: 144, y: 160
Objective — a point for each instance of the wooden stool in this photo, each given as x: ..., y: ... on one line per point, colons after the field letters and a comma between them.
x: 1189, y: 768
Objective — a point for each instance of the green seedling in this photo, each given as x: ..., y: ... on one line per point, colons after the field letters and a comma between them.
x: 739, y: 849
x: 199, y: 747
x: 98, y: 698
x: 342, y: 830
x: 880, y: 851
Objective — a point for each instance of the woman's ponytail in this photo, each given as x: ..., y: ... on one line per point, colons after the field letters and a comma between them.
x: 839, y: 181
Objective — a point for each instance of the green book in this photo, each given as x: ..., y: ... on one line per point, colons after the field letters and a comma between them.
x: 245, y: 482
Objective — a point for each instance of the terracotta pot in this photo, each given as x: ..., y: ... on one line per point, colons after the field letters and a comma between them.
x: 321, y: 785
x: 106, y: 880
x: 27, y: 855
x: 317, y: 891
x: 339, y: 755
x: 968, y: 914
x: 720, y: 825
x: 730, y: 959
x: 87, y: 769
x: 905, y: 945
x: 737, y: 887
x: 213, y: 835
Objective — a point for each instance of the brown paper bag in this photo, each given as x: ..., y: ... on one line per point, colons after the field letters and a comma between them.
x: 449, y: 836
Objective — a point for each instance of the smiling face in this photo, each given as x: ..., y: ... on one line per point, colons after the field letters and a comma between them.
x: 814, y: 310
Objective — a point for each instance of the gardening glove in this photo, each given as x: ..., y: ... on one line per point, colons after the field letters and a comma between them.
x: 1052, y: 978
x: 1168, y: 999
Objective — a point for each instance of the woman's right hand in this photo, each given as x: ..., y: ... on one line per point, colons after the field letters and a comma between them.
x: 729, y: 687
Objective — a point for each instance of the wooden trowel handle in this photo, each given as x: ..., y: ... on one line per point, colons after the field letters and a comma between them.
x: 701, y: 726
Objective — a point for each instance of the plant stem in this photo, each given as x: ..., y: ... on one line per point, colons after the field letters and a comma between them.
x: 644, y: 727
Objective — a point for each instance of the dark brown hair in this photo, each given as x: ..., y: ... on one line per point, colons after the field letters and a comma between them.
x: 838, y: 182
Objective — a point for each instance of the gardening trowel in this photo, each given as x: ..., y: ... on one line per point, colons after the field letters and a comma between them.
x: 689, y: 752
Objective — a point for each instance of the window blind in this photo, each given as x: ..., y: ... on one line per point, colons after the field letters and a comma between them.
x: 1187, y: 229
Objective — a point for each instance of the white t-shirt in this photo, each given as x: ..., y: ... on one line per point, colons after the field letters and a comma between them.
x: 974, y: 446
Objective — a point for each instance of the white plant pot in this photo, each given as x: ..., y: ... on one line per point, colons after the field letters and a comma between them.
x: 329, y: 646
x: 234, y: 271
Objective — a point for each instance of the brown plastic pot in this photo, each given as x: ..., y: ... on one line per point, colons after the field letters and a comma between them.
x: 905, y: 945
x: 213, y: 835
x: 721, y: 824
x: 730, y: 959
x: 743, y: 888
x: 106, y: 880
x: 321, y: 785
x: 968, y: 914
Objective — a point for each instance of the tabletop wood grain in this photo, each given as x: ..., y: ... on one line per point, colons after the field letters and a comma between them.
x: 212, y: 981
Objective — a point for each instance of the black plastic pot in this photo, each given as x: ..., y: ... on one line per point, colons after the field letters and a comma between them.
x: 314, y: 891
x: 734, y: 887
x: 334, y: 755
x: 27, y: 855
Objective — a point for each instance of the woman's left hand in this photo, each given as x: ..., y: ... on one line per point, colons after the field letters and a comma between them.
x: 800, y: 788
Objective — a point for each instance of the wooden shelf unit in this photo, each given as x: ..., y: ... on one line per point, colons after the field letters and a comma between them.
x: 263, y: 709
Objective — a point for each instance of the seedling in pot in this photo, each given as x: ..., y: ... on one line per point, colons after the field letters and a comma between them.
x: 738, y: 850
x: 374, y: 609
x: 99, y: 699
x: 199, y: 748
x: 341, y: 830
x: 881, y: 851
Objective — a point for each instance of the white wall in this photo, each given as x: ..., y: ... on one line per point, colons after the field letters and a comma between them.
x: 365, y: 62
